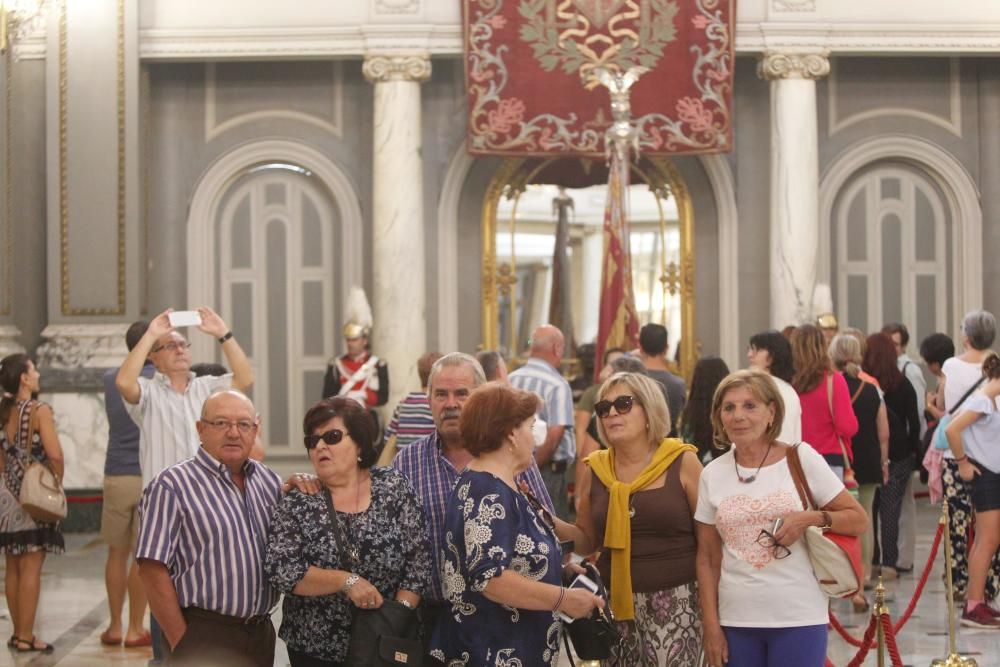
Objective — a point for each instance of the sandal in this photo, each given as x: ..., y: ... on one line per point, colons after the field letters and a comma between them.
x: 859, y: 603
x: 28, y: 646
x: 12, y: 642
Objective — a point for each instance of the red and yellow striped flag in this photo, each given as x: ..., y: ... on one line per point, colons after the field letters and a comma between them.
x: 618, y: 324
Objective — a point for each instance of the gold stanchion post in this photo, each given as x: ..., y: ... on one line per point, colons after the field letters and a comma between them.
x: 878, y: 610
x: 953, y: 659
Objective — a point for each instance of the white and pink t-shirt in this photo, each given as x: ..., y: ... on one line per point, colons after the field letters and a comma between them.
x: 755, y: 589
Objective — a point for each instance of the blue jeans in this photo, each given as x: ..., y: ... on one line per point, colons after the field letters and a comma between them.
x: 802, y: 646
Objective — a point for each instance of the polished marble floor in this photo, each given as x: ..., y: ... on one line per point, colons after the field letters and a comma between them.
x: 73, y: 612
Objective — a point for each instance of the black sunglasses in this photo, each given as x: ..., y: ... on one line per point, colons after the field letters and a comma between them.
x: 331, y: 437
x: 623, y: 406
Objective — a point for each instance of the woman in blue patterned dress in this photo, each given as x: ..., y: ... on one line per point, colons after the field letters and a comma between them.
x: 502, y: 570
x: 28, y: 435
x: 379, y: 516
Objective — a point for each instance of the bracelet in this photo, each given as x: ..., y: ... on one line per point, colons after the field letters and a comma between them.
x: 562, y: 594
x: 964, y: 458
x: 229, y: 334
x: 827, y: 520
x: 885, y: 463
x: 405, y: 603
x: 351, y: 580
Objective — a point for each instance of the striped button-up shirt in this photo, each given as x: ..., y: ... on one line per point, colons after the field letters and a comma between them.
x: 166, y: 419
x: 211, y: 536
x: 433, y: 476
x: 540, y: 378
x: 411, y: 420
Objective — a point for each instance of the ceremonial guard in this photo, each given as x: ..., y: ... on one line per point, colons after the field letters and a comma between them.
x: 358, y: 374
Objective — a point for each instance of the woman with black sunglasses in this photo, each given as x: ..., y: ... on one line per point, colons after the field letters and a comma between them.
x: 359, y: 543
x: 761, y: 603
x: 636, y: 508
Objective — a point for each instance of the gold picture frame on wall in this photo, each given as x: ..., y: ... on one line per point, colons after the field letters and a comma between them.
x: 499, y: 278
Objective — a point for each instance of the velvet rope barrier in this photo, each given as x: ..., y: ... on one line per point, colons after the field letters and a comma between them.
x: 866, y: 644
x: 917, y: 592
x: 890, y: 641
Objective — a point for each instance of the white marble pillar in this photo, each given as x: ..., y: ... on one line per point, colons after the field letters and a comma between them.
x: 593, y: 256
x: 794, y: 182
x: 398, y: 301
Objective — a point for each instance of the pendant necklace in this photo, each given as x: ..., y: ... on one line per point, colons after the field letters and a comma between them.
x: 631, y: 498
x: 751, y: 478
x: 353, y: 549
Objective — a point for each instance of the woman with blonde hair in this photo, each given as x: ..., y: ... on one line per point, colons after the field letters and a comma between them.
x: 761, y: 603
x: 636, y: 507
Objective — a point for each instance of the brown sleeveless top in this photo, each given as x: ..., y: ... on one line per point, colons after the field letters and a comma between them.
x: 663, y: 544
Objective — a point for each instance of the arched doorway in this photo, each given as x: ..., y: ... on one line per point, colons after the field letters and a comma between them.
x: 274, y: 242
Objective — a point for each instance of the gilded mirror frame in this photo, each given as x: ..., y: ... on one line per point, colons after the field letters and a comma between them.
x: 663, y: 179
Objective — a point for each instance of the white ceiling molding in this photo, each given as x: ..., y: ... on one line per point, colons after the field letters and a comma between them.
x: 395, y: 7
x: 953, y: 123
x: 948, y: 173
x: 331, y: 124
x: 446, y: 39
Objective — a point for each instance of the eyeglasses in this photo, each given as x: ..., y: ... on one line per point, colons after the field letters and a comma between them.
x: 244, y: 426
x: 766, y: 540
x: 331, y: 437
x: 623, y: 406
x: 173, y: 347
x: 537, y: 506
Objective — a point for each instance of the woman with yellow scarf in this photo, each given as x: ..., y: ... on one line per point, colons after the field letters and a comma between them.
x: 636, y: 507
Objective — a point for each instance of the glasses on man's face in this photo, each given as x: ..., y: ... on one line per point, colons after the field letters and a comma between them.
x: 622, y: 404
x: 244, y: 426
x: 331, y: 437
x: 766, y: 540
x: 176, y: 346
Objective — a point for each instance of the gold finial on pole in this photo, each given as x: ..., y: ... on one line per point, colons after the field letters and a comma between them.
x: 953, y: 659
x: 878, y: 610
x: 622, y: 137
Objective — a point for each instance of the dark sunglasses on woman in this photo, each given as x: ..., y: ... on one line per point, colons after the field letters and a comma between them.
x: 623, y: 405
x: 331, y: 437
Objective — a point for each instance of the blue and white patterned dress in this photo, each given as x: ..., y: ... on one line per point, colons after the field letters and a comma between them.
x: 489, y: 528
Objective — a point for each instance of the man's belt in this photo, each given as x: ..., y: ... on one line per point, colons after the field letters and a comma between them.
x: 224, y: 619
x: 557, y: 467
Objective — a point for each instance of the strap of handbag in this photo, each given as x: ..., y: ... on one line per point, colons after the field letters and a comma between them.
x: 861, y: 388
x: 339, y: 540
x: 799, y: 478
x: 833, y: 418
x: 965, y: 396
x: 32, y: 405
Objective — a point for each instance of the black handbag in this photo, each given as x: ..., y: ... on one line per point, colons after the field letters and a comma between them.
x: 383, y: 637
x: 594, y: 637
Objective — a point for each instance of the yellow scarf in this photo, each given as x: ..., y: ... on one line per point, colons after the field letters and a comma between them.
x: 618, y: 532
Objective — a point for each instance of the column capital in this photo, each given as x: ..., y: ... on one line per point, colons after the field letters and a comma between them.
x: 783, y: 65
x: 397, y: 67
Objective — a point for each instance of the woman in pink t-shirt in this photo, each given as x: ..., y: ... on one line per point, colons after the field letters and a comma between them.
x: 828, y: 420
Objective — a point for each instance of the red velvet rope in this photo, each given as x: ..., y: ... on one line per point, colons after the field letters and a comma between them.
x: 866, y: 644
x: 917, y: 592
x: 890, y: 641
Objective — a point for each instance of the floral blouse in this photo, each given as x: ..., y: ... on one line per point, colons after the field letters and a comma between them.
x: 490, y: 528
x: 393, y: 554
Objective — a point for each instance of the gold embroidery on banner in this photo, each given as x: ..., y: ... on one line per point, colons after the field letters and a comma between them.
x: 565, y: 35
x: 66, y: 307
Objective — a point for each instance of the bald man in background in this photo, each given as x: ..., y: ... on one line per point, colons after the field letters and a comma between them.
x: 541, y: 376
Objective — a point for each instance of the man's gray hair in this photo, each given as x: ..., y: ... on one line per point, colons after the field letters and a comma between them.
x: 628, y: 364
x: 457, y: 359
x: 981, y: 328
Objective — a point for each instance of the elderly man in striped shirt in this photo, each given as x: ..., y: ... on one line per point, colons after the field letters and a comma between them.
x: 202, y: 538
x: 541, y: 376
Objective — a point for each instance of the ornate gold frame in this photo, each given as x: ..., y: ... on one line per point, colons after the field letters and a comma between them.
x: 660, y: 175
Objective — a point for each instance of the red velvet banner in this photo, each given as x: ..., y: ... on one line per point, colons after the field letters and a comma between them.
x: 529, y: 64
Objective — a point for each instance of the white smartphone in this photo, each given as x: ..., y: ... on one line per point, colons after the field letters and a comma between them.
x: 581, y: 581
x: 185, y: 318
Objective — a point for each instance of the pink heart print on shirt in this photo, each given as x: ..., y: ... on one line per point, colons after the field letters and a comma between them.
x: 740, y: 519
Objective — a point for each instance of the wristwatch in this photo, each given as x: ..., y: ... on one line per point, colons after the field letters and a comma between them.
x: 351, y: 580
x: 827, y: 521
x: 225, y: 337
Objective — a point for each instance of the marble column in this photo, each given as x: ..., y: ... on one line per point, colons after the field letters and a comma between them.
x: 399, y: 334
x: 794, y: 182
